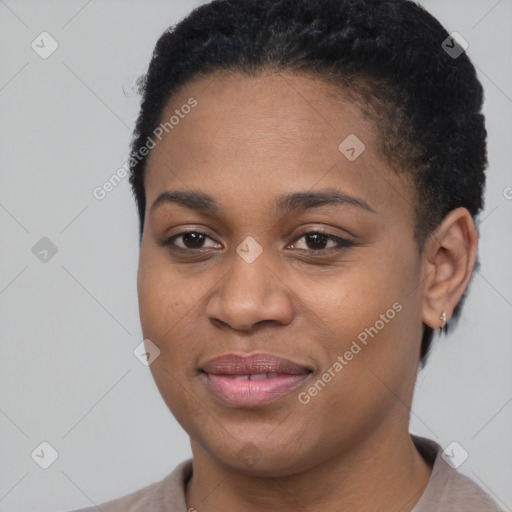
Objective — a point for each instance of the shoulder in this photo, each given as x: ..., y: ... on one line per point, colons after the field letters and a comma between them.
x: 448, y: 490
x: 167, y: 494
x: 462, y: 491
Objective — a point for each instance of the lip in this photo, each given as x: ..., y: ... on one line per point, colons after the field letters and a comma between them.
x: 252, y: 380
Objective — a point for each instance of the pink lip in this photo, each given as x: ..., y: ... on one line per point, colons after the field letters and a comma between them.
x: 251, y: 380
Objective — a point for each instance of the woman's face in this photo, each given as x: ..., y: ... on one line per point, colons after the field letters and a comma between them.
x: 343, y: 303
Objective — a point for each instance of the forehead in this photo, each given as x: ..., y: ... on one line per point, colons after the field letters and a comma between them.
x: 259, y: 136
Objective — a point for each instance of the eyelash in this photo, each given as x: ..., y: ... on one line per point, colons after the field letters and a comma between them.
x: 342, y: 242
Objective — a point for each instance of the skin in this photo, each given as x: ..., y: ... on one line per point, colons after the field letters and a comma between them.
x: 248, y: 141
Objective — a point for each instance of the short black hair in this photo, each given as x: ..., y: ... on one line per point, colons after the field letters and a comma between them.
x: 389, y: 55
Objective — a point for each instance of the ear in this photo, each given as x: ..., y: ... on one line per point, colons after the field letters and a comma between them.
x: 449, y: 256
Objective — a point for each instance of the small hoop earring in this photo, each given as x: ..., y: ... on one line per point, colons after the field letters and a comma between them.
x: 443, y: 319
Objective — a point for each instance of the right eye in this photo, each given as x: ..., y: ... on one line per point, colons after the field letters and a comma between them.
x: 191, y: 240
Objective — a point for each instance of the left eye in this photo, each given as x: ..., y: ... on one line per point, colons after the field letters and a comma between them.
x: 319, y: 240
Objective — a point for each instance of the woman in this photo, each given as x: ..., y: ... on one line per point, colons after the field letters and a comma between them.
x: 307, y: 175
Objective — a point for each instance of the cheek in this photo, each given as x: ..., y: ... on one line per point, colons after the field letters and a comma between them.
x: 166, y: 308
x: 371, y: 312
x: 163, y: 298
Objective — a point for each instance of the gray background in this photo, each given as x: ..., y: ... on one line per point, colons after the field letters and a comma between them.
x: 69, y: 325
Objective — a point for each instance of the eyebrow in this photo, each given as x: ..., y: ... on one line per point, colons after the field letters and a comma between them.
x: 288, y: 203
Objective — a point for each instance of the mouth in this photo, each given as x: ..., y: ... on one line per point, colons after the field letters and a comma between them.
x: 252, y: 380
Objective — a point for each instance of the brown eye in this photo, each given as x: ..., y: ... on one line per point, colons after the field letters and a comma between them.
x: 316, y: 242
x: 193, y: 240
x: 190, y: 240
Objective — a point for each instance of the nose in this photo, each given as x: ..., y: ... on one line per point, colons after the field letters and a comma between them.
x: 250, y: 294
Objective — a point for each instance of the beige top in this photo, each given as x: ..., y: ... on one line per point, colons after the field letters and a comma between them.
x: 447, y: 490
